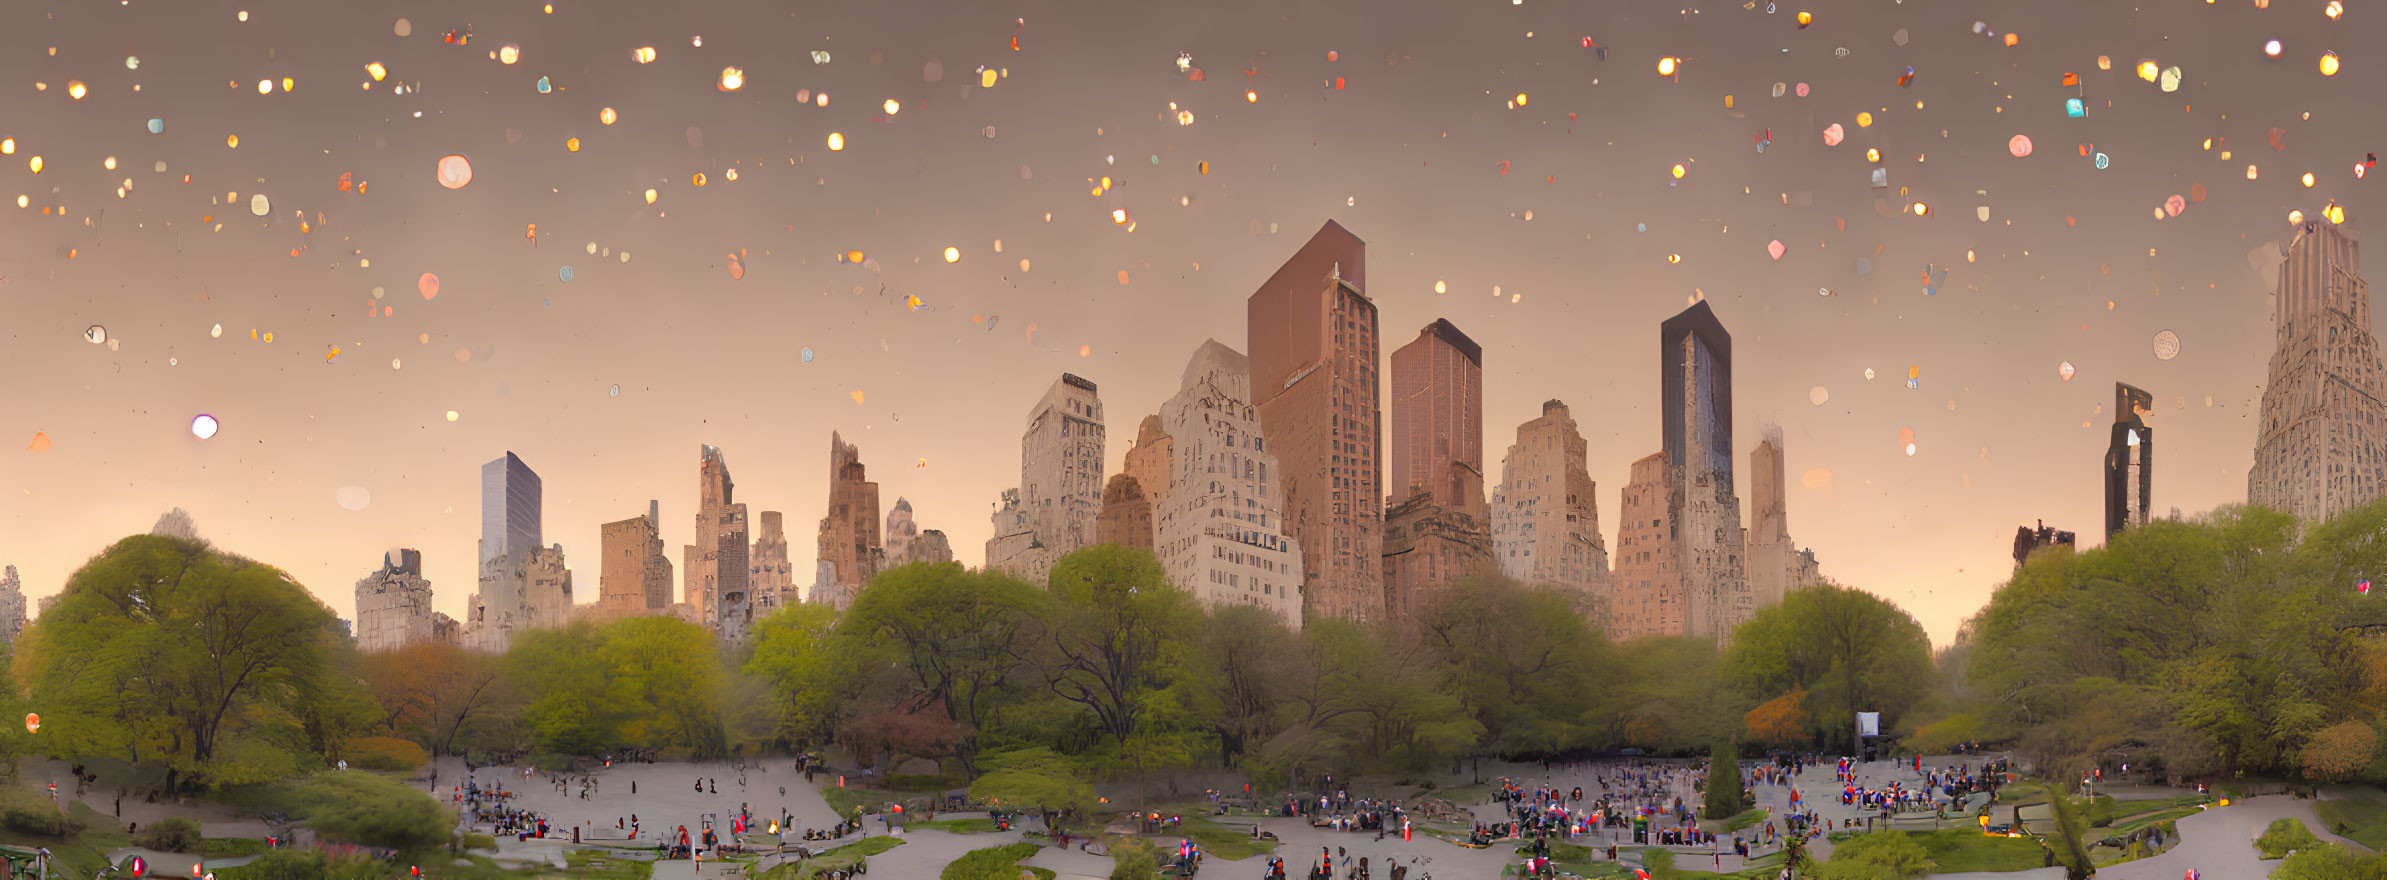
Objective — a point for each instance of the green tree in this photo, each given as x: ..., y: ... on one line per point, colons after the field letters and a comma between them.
x: 1037, y: 779
x: 955, y: 634
x: 1850, y: 650
x: 797, y: 653
x: 1249, y: 656
x: 1723, y: 795
x: 1521, y: 660
x: 166, y: 651
x: 1114, y: 629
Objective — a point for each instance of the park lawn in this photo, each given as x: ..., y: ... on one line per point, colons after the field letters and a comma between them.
x: 956, y: 826
x: 1660, y: 864
x: 83, y: 854
x: 844, y: 799
x: 841, y: 857
x: 230, y: 847
x: 1957, y: 850
x: 2284, y: 836
x: 585, y: 864
x: 1732, y: 823
x: 1232, y: 844
x: 2356, y: 813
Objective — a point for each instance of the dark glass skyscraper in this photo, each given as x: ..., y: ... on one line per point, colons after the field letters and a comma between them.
x: 510, y: 494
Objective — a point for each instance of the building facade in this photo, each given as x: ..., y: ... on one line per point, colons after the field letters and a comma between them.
x: 12, y: 605
x: 518, y: 592
x: 634, y: 577
x: 1436, y: 442
x: 2028, y: 541
x: 770, y: 578
x: 718, y: 568
x: 510, y: 508
x: 1060, y: 484
x: 1704, y: 514
x: 1150, y: 460
x: 1126, y: 518
x: 850, y: 550
x: 1313, y: 355
x: 930, y: 546
x: 900, y: 530
x: 1648, y: 597
x: 2318, y: 449
x: 2129, y: 461
x: 1221, y: 531
x: 1428, y: 547
x: 393, y: 605
x: 1546, y: 512
x: 1776, y: 565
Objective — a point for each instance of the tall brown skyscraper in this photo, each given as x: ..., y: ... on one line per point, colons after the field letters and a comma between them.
x: 634, y: 578
x: 1314, y: 380
x: 718, y: 571
x: 850, y: 551
x: 1648, y: 596
x: 1695, y: 363
x: 771, y: 578
x: 1775, y: 564
x: 2318, y: 449
x: 1437, y: 438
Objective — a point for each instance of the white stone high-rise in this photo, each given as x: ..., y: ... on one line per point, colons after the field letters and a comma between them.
x: 1221, y: 528
x: 393, y: 605
x: 518, y: 591
x: 12, y: 605
x: 1052, y: 512
x: 2318, y: 449
x: 1546, y: 512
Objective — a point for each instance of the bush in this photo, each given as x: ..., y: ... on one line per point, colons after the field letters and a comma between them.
x: 385, y: 753
x: 1134, y: 860
x: 1876, y: 856
x: 31, y: 813
x: 2285, y: 836
x: 1723, y: 785
x: 357, y: 807
x: 294, y: 863
x: 480, y: 841
x: 992, y: 863
x: 172, y: 834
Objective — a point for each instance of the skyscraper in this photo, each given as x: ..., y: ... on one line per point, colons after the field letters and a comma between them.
x: 634, y: 578
x: 1221, y: 531
x: 1648, y: 598
x: 771, y: 578
x: 393, y: 604
x: 1437, y: 438
x: 1695, y: 363
x: 1776, y: 565
x: 2317, y: 450
x: 1126, y: 518
x: 1546, y: 512
x: 12, y: 605
x: 2129, y: 461
x: 718, y: 571
x: 901, y: 528
x: 1060, y: 483
x: 1150, y: 459
x: 1314, y: 381
x: 518, y: 591
x: 509, y: 508
x: 849, y: 553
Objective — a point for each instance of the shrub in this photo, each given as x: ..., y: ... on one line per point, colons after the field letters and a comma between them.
x: 295, y: 863
x: 385, y: 753
x: 992, y: 863
x: 2285, y: 836
x: 354, y: 807
x: 32, y: 813
x: 172, y: 834
x: 1134, y: 859
x: 1875, y: 856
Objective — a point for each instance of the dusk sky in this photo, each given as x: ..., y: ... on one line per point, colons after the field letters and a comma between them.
x: 1480, y: 145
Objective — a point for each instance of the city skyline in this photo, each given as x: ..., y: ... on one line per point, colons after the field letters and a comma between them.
x: 1428, y: 154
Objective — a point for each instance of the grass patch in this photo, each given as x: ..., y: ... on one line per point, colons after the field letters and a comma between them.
x: 991, y: 863
x: 845, y: 799
x: 1733, y: 823
x: 1957, y: 850
x: 916, y: 782
x: 841, y: 857
x: 956, y: 826
x: 2159, y: 817
x: 2285, y: 835
x: 2357, y: 814
x: 84, y: 853
x: 1224, y: 841
x: 230, y: 847
x: 587, y: 864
